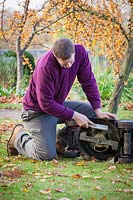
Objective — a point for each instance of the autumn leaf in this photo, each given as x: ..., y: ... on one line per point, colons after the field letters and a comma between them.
x: 97, y: 188
x: 76, y: 176
x: 42, y: 180
x: 104, y: 198
x: 47, y: 191
x: 59, y: 190
x: 112, y: 168
x: 130, y: 191
x: 34, y: 161
x: 128, y: 106
x: 36, y: 174
x: 9, y: 165
x: 6, y: 125
x: 54, y: 162
x: 24, y: 189
x: 14, y: 173
x: 12, y: 99
x: 80, y: 163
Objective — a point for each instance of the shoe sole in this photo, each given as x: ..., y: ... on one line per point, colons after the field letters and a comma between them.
x: 8, y: 143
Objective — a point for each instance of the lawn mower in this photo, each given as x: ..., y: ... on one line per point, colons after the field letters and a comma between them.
x: 108, y: 139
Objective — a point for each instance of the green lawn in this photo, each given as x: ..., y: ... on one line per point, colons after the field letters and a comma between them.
x: 70, y: 179
x: 26, y: 179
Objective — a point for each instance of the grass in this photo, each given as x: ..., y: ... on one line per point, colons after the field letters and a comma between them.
x: 125, y: 114
x: 122, y: 113
x: 73, y: 179
x: 45, y: 180
x: 10, y: 105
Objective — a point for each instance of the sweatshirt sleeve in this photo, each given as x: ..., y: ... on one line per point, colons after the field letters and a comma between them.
x: 45, y: 95
x: 88, y: 81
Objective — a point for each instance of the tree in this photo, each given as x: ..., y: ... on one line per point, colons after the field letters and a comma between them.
x: 90, y: 22
x: 107, y: 23
x: 20, y: 29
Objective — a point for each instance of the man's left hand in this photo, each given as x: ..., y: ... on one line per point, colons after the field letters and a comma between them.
x: 105, y: 115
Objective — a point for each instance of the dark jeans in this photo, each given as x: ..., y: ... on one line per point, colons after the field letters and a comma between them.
x: 38, y: 141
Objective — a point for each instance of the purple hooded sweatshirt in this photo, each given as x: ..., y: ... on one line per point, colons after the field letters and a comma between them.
x: 50, y: 84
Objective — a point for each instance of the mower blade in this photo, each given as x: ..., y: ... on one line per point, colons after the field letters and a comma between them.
x: 99, y: 126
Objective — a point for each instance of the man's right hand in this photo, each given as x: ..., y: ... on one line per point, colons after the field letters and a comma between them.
x: 82, y: 120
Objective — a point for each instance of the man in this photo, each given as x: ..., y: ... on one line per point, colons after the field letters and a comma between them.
x: 44, y: 102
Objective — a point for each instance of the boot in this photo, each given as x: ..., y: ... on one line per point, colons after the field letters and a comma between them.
x: 11, y: 150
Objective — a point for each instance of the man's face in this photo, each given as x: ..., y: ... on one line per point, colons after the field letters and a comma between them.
x: 66, y: 63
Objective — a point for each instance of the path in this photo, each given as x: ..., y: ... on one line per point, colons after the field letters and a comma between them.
x: 10, y: 113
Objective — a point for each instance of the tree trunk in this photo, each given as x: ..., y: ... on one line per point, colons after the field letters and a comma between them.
x: 19, y: 72
x: 19, y: 53
x: 123, y: 77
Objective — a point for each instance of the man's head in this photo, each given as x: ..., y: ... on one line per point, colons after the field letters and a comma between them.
x: 64, y: 51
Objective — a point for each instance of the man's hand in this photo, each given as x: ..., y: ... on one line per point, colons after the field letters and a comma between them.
x: 105, y: 115
x: 82, y: 120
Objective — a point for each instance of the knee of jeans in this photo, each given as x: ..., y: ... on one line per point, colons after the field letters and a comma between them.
x: 47, y: 156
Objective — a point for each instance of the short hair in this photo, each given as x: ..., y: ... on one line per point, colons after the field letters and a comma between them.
x: 63, y: 48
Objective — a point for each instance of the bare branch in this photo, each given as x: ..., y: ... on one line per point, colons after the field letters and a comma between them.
x: 30, y: 38
x: 2, y: 20
x: 24, y: 16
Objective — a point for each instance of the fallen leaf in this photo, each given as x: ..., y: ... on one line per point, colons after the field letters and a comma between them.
x: 12, y: 99
x: 37, y: 174
x: 76, y: 176
x: 97, y: 177
x: 64, y: 198
x: 81, y: 163
x: 59, y: 190
x: 24, y: 189
x: 34, y: 161
x: 47, y: 176
x: 112, y: 168
x: 9, y: 182
x: 54, y: 162
x: 120, y: 181
x: 86, y: 176
x: 128, y: 106
x: 62, y: 175
x: 14, y: 173
x: 42, y: 180
x: 104, y: 198
x: 128, y: 191
x: 47, y: 191
x: 118, y: 190
x: 9, y: 165
x: 97, y: 188
x: 125, y: 190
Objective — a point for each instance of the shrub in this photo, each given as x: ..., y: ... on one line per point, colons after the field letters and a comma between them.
x: 6, y: 91
x: 28, y: 64
x: 10, y: 53
x: 104, y: 78
x: 7, y: 70
x: 105, y: 81
x: 127, y: 94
